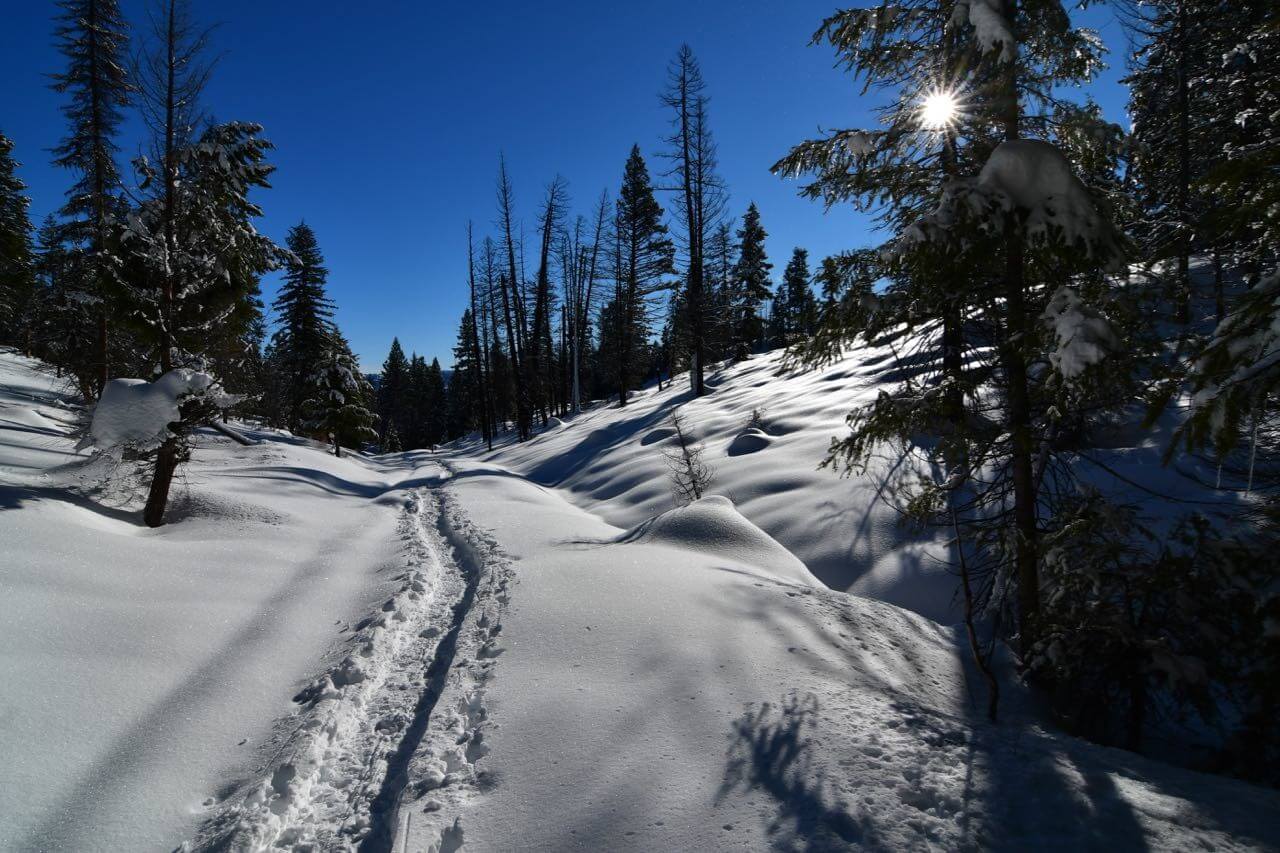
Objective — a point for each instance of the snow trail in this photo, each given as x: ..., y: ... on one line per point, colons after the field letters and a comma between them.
x: 343, y: 760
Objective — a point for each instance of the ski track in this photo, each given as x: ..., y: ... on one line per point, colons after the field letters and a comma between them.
x: 402, y: 717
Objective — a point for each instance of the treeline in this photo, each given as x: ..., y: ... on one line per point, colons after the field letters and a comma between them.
x: 1055, y: 288
x: 158, y: 270
x: 595, y: 305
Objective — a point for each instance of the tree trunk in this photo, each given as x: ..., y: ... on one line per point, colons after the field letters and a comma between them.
x: 158, y: 498
x: 1019, y: 402
x: 1183, y: 312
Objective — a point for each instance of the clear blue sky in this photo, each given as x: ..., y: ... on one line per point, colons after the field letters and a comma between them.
x: 388, y: 117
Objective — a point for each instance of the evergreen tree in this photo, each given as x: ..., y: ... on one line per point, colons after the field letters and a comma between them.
x: 305, y: 316
x: 435, y: 405
x: 393, y: 391
x: 337, y: 399
x: 750, y: 283
x: 17, y: 261
x: 800, y: 309
x: 93, y: 37
x: 644, y: 255
x: 466, y: 390
x: 983, y: 260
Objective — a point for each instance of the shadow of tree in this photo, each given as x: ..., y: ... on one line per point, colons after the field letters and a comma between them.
x: 770, y: 750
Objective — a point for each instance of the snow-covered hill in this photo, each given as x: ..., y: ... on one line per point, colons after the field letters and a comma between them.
x: 419, y: 653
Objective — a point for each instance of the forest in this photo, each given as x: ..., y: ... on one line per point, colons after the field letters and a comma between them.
x: 1049, y: 286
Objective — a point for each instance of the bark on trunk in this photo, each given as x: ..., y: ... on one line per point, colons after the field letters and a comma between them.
x: 158, y: 498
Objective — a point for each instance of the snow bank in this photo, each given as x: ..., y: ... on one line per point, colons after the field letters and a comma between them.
x: 714, y: 527
x: 137, y: 413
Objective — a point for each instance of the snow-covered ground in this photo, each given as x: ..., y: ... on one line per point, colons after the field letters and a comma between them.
x: 528, y: 650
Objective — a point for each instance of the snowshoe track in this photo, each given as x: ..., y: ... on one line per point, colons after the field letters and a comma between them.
x: 402, y: 712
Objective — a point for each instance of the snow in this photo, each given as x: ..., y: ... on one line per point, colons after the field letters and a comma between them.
x: 137, y: 413
x: 990, y: 26
x: 1033, y: 177
x: 1084, y: 338
x: 529, y: 649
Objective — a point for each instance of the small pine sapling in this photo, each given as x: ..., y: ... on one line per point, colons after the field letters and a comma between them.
x: 690, y: 476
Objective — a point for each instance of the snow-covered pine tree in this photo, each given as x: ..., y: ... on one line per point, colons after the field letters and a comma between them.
x: 978, y: 253
x: 200, y: 233
x: 93, y: 37
x: 643, y: 258
x: 305, y: 316
x: 338, y: 399
x: 751, y: 284
x: 18, y: 295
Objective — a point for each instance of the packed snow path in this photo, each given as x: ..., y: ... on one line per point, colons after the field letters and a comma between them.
x: 410, y: 691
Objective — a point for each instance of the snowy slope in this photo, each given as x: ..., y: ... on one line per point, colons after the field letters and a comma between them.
x: 846, y: 530
x: 143, y: 669
x: 654, y: 694
x: 411, y: 653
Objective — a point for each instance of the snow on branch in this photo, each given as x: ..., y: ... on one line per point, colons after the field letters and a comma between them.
x: 1084, y: 337
x: 136, y: 414
x: 1030, y: 178
x: 990, y: 27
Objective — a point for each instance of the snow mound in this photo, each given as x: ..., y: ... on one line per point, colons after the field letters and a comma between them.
x: 714, y: 526
x: 137, y: 413
x: 990, y: 27
x: 750, y: 440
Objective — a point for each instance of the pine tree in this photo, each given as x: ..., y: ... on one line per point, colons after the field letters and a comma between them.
x: 393, y: 390
x: 644, y: 256
x: 970, y: 260
x: 436, y: 405
x: 337, y: 399
x: 700, y: 193
x: 17, y: 261
x: 93, y: 37
x: 750, y: 283
x: 305, y: 316
x: 801, y: 307
x: 466, y: 388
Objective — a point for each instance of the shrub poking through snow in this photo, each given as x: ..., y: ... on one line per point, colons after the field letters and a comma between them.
x: 690, y: 476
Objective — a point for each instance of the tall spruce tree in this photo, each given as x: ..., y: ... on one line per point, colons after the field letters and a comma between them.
x: 305, y: 316
x: 977, y: 259
x: 93, y: 37
x: 17, y: 259
x: 750, y: 283
x: 644, y: 257
x: 393, y: 390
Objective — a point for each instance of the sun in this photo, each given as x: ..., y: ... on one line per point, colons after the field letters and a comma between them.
x: 939, y: 110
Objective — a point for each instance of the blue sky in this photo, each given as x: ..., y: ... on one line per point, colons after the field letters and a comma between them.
x: 389, y: 116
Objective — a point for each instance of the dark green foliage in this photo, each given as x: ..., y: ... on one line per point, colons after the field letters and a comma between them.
x: 305, y: 315
x: 751, y: 284
x: 337, y: 400
x: 18, y: 293
x: 393, y: 394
